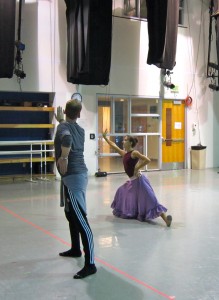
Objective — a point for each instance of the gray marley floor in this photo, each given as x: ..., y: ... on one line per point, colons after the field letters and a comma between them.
x: 136, y: 261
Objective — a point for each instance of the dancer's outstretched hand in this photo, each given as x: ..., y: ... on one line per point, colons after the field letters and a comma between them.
x: 105, y: 133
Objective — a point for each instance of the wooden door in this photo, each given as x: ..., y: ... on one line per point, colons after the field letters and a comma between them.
x: 173, y: 134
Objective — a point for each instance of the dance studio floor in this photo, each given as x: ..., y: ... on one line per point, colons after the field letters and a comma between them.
x: 135, y: 261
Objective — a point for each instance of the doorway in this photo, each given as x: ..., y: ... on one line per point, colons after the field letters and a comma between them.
x: 173, y: 134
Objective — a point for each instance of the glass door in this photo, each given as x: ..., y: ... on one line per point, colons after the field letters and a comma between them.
x: 125, y: 115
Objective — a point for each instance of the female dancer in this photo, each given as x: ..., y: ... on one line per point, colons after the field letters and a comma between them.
x: 135, y: 199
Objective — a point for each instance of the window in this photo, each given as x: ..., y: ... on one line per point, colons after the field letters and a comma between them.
x: 130, y: 8
x: 137, y: 9
x: 181, y: 12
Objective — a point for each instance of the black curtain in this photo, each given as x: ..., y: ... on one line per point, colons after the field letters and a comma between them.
x: 163, y: 18
x: 216, y: 15
x: 7, y: 37
x: 89, y: 34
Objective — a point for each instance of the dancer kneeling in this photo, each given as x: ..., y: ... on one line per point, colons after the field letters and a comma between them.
x: 135, y: 199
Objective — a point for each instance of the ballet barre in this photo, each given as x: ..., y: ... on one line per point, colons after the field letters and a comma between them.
x: 42, y: 152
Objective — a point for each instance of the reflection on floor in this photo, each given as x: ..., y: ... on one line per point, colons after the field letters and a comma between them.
x: 136, y: 261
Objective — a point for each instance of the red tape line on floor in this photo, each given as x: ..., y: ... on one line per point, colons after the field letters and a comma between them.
x: 96, y: 258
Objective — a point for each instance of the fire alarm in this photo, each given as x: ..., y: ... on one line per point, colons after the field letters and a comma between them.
x: 188, y: 101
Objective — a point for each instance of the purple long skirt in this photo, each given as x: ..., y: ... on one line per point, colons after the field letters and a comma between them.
x: 136, y: 199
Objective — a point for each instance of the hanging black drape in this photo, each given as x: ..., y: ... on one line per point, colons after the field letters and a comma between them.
x: 7, y: 37
x: 89, y: 33
x: 163, y: 17
x: 216, y: 15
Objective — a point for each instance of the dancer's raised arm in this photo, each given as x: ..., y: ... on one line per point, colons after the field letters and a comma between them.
x: 113, y: 145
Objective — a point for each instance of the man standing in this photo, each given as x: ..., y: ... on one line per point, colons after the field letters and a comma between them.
x: 69, y: 153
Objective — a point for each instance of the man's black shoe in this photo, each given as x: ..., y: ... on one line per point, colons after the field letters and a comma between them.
x: 70, y: 253
x: 86, y: 271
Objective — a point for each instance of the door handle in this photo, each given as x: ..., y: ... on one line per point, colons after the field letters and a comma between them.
x: 173, y: 140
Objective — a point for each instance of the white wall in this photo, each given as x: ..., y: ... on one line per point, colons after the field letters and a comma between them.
x: 190, y: 72
x: 44, y: 59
